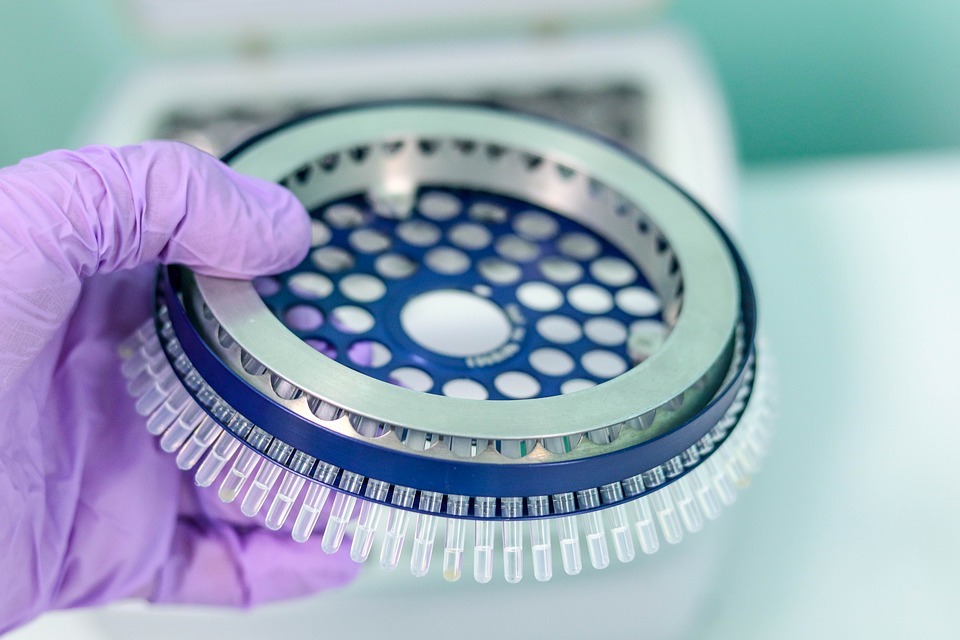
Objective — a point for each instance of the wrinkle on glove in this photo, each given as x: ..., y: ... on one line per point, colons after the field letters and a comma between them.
x: 92, y: 510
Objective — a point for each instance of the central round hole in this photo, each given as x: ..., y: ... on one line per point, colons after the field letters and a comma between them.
x: 455, y: 323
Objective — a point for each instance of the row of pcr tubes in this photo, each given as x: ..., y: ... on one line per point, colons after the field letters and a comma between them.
x: 186, y: 429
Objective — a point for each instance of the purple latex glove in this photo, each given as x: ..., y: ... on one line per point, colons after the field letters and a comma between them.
x: 90, y: 509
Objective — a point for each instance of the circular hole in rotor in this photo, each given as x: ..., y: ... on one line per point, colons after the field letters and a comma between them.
x: 499, y: 271
x: 605, y: 331
x: 319, y: 233
x: 535, y: 225
x: 447, y: 260
x: 517, y: 384
x: 470, y: 236
x: 455, y: 323
x: 638, y: 301
x: 614, y: 272
x: 576, y: 384
x: 369, y: 241
x: 539, y: 296
x: 439, y: 206
x: 367, y: 353
x: 395, y: 266
x: 362, y: 287
x: 603, y: 364
x: 411, y: 378
x: 303, y: 317
x: 343, y: 216
x: 350, y: 319
x: 560, y: 270
x: 465, y: 388
x: 559, y: 329
x: 310, y: 285
x: 323, y: 346
x: 579, y: 246
x: 590, y: 298
x: 551, y: 362
x: 332, y: 259
x: 419, y: 233
x: 517, y: 249
x: 266, y: 286
x: 487, y: 213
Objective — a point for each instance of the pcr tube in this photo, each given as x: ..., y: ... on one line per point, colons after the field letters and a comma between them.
x: 568, y: 533
x: 197, y: 445
x: 640, y: 509
x: 643, y: 523
x: 453, y: 544
x: 512, y: 539
x: 617, y: 520
x: 242, y: 467
x: 705, y: 493
x: 266, y: 477
x: 483, y: 539
x: 155, y: 371
x: 290, y: 488
x: 686, y: 504
x: 156, y: 394
x: 165, y: 415
x: 721, y: 483
x: 313, y: 502
x: 396, y: 527
x: 593, y: 528
x: 369, y: 519
x: 540, y: 538
x: 223, y: 449
x: 342, y: 511
x: 425, y: 533
x: 174, y: 437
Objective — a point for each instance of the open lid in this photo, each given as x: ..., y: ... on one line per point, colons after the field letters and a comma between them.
x: 224, y: 23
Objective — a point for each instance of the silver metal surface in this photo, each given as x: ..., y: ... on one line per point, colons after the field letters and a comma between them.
x: 681, y: 254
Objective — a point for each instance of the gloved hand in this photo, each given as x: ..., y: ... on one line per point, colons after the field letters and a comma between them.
x: 90, y: 509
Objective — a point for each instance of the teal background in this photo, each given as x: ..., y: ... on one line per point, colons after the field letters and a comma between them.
x: 804, y: 79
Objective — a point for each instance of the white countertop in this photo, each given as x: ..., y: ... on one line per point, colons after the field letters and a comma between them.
x: 850, y: 531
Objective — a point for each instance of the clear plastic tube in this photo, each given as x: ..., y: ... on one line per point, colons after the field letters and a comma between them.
x: 155, y: 371
x: 174, y: 437
x: 341, y: 512
x: 619, y: 524
x: 396, y: 528
x: 593, y: 529
x: 686, y: 504
x: 143, y: 335
x: 290, y: 488
x: 310, y: 511
x: 425, y: 533
x: 157, y: 394
x: 731, y: 465
x: 568, y: 533
x: 617, y: 521
x: 223, y: 449
x: 512, y: 538
x: 540, y: 546
x: 483, y: 535
x: 242, y: 467
x: 455, y: 537
x: 262, y: 484
x: 666, y: 516
x: 369, y: 520
x: 167, y: 413
x: 720, y: 481
x: 643, y: 523
x: 197, y: 445
x: 705, y: 493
